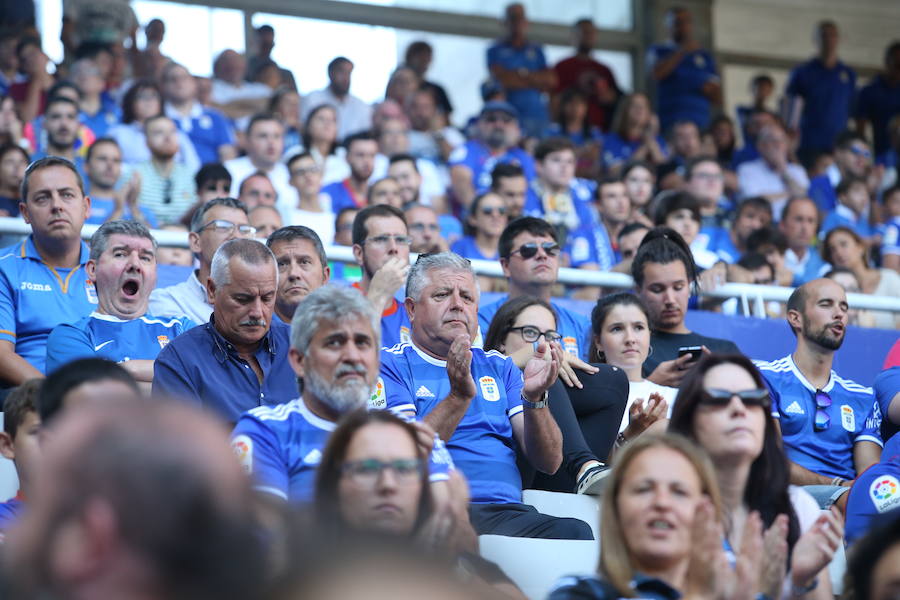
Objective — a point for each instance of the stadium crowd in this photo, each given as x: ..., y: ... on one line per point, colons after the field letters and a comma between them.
x: 278, y: 425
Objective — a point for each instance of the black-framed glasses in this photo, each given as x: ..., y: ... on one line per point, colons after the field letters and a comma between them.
x: 720, y: 398
x: 223, y: 227
x: 368, y: 470
x: 490, y: 210
x: 384, y: 240
x: 530, y: 249
x: 531, y: 334
x: 823, y: 403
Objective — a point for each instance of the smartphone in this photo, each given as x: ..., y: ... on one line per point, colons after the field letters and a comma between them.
x: 695, y: 351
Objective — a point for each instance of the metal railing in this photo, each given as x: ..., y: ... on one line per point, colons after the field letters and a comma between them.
x: 744, y: 292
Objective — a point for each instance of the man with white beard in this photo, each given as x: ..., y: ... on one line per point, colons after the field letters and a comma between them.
x: 335, y: 341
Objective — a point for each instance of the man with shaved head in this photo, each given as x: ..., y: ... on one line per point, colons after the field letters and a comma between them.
x: 830, y: 425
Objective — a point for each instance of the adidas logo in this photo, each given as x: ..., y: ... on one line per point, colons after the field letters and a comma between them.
x: 794, y: 408
x: 424, y: 392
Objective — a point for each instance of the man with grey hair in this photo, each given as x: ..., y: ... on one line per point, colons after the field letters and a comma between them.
x: 216, y: 222
x: 122, y: 266
x: 477, y: 401
x: 335, y: 336
x: 238, y: 360
x: 302, y: 267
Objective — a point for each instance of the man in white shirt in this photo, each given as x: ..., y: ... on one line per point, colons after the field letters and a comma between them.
x: 230, y: 93
x: 265, y: 145
x: 354, y: 115
x: 771, y: 175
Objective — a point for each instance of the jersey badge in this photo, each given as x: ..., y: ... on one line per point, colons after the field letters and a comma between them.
x: 242, y: 446
x: 884, y: 493
x: 91, y: 291
x: 848, y: 419
x: 489, y: 389
x: 163, y: 340
x: 570, y: 345
x: 378, y: 398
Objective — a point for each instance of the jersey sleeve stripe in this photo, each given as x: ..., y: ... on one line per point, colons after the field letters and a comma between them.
x: 514, y: 411
x: 404, y: 408
x: 270, y: 490
x: 7, y: 332
x: 869, y: 438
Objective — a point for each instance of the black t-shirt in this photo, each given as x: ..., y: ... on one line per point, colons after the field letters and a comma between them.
x: 665, y: 346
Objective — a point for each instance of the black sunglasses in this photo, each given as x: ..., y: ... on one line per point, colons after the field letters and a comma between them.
x: 530, y: 249
x: 719, y: 398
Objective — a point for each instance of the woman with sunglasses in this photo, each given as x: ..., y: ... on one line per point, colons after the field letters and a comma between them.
x: 482, y: 228
x: 660, y: 524
x: 620, y: 327
x: 373, y: 482
x: 723, y: 404
x: 587, y: 416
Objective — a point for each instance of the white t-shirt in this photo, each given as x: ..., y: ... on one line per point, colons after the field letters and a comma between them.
x: 642, y: 390
x: 320, y: 222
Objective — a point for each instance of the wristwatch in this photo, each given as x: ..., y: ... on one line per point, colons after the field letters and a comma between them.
x: 798, y: 590
x: 542, y: 403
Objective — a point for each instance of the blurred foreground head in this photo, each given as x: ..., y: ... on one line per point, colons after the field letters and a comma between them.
x: 137, y: 500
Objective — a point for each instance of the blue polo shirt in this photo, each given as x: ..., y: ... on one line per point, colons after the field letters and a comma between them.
x: 590, y: 244
x: 482, y: 446
x: 890, y: 241
x: 467, y: 248
x: 102, y: 208
x: 35, y: 298
x: 617, y: 150
x: 875, y: 492
x: 476, y: 157
x: 574, y: 328
x: 581, y: 193
x: 679, y: 95
x: 855, y: 417
x: 879, y: 102
x: 827, y: 101
x: 343, y: 197
x: 843, y: 216
x: 207, y: 128
x: 530, y: 102
x: 281, y: 448
x: 112, y: 338
x: 109, y: 114
x: 202, y: 367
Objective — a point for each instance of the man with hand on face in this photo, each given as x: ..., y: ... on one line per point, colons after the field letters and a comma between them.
x: 123, y: 269
x: 237, y: 360
x: 43, y: 281
x: 302, y: 267
x: 478, y: 402
x: 381, y: 247
x: 830, y: 425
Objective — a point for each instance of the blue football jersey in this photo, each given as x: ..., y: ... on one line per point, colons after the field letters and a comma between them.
x: 874, y: 492
x: 475, y: 156
x: 112, y: 338
x: 482, y: 446
x: 855, y: 417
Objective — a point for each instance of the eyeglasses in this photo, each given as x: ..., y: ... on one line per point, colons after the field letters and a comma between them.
x: 384, y: 240
x: 823, y: 403
x: 224, y: 227
x: 719, y: 398
x: 530, y: 249
x: 367, y: 471
x: 307, y: 171
x: 424, y: 226
x: 531, y: 334
x: 488, y: 210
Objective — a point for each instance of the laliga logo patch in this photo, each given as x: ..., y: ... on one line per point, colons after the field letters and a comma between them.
x: 163, y: 340
x: 242, y: 446
x: 884, y: 493
x: 490, y: 391
x: 378, y: 399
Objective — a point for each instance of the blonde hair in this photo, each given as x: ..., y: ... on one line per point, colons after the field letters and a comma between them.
x: 615, y: 560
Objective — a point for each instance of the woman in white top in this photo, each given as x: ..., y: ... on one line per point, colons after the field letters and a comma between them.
x: 320, y: 139
x: 724, y: 405
x: 621, y: 338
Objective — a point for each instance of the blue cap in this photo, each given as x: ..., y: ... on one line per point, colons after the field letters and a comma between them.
x: 500, y: 106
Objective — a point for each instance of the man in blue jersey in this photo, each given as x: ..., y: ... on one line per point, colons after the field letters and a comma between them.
x: 529, y: 256
x: 595, y: 245
x: 302, y: 267
x: 471, y: 164
x: 685, y: 74
x: 237, y: 360
x: 123, y: 269
x: 829, y: 424
x: 43, y: 281
x: 353, y: 191
x: 875, y: 491
x: 381, y: 247
x: 478, y: 402
x: 103, y: 165
x: 213, y: 224
x: 61, y: 125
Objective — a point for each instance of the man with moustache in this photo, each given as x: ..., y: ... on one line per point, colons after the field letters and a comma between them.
x: 829, y: 424
x: 236, y: 361
x: 123, y: 268
x: 302, y: 267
